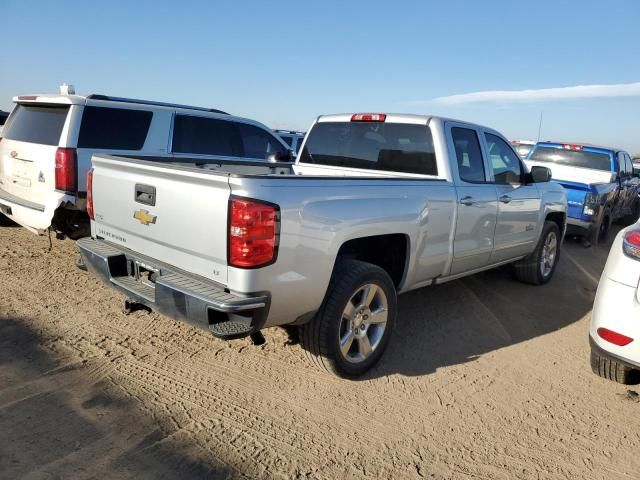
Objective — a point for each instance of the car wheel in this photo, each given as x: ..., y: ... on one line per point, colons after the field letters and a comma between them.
x: 611, y: 370
x: 538, y: 267
x: 352, y: 329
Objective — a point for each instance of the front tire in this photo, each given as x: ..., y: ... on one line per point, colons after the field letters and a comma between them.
x: 353, y: 327
x: 600, y: 232
x: 538, y: 267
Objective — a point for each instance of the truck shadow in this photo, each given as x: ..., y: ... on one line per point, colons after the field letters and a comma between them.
x: 65, y: 421
x: 459, y: 321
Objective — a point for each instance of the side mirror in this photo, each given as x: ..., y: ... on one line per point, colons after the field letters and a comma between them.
x: 540, y: 174
x: 276, y: 157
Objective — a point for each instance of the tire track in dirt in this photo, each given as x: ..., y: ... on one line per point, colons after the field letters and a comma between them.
x: 477, y: 403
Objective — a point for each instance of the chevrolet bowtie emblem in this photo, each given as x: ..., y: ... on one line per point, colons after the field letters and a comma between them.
x: 144, y: 217
x: 14, y: 154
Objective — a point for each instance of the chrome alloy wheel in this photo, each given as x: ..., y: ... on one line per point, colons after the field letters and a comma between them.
x: 363, y: 323
x: 549, y: 253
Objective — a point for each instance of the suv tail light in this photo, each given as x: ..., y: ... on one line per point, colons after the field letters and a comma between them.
x: 631, y: 244
x: 369, y: 117
x: 66, y: 165
x: 253, y: 233
x: 90, y: 194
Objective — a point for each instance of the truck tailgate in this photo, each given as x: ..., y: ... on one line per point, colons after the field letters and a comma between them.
x: 166, y: 212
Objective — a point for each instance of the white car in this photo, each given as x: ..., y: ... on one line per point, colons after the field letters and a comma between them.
x: 48, y: 141
x: 615, y: 327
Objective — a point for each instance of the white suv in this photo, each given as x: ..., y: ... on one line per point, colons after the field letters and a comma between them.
x: 48, y: 141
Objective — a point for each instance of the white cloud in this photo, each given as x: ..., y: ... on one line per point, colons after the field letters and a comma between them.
x: 540, y: 95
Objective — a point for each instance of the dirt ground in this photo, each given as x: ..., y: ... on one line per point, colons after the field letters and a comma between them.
x: 484, y: 378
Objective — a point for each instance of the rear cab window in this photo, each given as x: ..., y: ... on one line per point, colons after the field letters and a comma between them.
x: 37, y: 123
x: 114, y: 128
x: 572, y: 155
x: 395, y: 147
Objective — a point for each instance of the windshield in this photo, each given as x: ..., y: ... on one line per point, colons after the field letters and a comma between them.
x: 574, y: 158
x: 393, y: 147
x: 36, y: 124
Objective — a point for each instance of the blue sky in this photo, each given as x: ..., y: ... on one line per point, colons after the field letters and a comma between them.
x: 284, y: 62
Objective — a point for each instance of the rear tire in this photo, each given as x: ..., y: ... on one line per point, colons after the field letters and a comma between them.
x: 353, y: 327
x: 538, y: 267
x: 611, y: 370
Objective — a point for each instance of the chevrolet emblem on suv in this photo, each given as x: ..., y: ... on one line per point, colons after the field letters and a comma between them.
x: 144, y: 217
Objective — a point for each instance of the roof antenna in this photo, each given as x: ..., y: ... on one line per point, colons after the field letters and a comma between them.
x: 540, y: 126
x: 66, y: 89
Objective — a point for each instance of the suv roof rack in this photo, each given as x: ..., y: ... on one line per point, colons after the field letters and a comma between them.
x: 95, y: 96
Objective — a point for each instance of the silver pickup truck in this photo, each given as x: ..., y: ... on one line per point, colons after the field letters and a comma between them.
x: 375, y: 205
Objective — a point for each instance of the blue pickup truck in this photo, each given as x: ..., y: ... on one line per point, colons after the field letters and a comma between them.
x: 600, y: 183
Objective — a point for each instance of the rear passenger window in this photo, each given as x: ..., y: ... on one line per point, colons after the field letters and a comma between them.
x: 258, y: 143
x: 468, y: 155
x: 206, y: 136
x: 114, y: 128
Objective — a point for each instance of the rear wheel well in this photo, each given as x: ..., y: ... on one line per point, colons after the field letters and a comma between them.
x: 389, y: 252
x: 558, y: 218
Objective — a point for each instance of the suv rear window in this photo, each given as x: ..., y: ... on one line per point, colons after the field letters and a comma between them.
x: 36, y: 124
x: 114, y: 128
x: 575, y: 158
x: 395, y: 147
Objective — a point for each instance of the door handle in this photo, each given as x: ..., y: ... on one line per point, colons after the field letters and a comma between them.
x: 145, y: 194
x: 505, y: 198
x: 468, y: 201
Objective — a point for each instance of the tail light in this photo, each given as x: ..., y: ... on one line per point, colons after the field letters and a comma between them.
x: 631, y: 244
x: 90, y: 194
x: 614, y: 337
x: 369, y: 117
x: 253, y: 233
x: 66, y: 165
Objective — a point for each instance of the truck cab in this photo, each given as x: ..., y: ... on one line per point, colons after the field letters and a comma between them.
x: 600, y: 184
